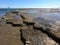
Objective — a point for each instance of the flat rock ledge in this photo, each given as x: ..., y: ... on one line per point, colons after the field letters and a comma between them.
x: 24, y: 31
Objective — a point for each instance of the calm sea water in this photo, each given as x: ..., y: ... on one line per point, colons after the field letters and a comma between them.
x: 52, y: 16
x: 3, y: 11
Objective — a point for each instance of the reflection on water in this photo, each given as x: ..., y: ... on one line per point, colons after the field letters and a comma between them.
x: 3, y: 12
x: 35, y: 14
x: 29, y: 11
x: 52, y: 16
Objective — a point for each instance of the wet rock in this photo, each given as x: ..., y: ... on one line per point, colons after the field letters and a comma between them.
x: 51, y: 30
x: 10, y: 21
x: 8, y: 16
x: 38, y: 25
x: 13, y: 19
x: 27, y: 19
x: 18, y: 23
x: 15, y: 22
x: 49, y: 41
x: 15, y: 12
x: 34, y: 33
x: 54, y: 32
x: 10, y: 35
x: 32, y: 37
x: 36, y: 37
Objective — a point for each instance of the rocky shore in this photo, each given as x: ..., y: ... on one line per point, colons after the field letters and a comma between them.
x: 18, y: 28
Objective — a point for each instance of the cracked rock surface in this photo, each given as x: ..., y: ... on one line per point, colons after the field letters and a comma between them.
x: 21, y: 29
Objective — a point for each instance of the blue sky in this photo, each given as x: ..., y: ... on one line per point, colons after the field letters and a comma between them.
x: 30, y: 3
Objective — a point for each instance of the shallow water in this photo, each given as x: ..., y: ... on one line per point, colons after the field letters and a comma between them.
x: 53, y: 16
x: 50, y: 16
x: 35, y: 14
x: 3, y: 12
x: 29, y: 11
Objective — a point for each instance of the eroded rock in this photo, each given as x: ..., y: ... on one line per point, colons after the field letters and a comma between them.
x: 34, y: 33
x: 27, y: 19
x: 15, y: 12
x: 38, y: 25
x: 36, y: 37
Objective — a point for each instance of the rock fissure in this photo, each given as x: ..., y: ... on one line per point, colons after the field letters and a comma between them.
x: 30, y: 32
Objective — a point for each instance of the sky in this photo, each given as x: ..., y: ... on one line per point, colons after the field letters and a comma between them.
x: 30, y: 3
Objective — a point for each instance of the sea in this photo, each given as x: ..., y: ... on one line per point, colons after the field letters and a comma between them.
x: 52, y: 16
x: 4, y: 10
